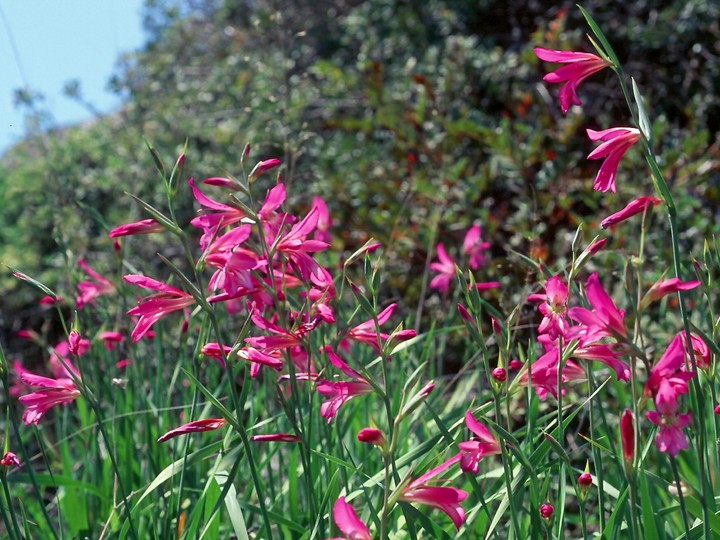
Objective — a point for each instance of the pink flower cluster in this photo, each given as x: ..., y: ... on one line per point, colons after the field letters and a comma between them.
x: 474, y: 248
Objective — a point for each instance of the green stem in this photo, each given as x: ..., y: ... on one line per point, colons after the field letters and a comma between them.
x: 681, y: 497
x: 508, y: 472
x: 633, y: 508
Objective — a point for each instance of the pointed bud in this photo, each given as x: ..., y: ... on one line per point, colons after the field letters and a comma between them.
x: 627, y: 434
x: 74, y: 342
x: 371, y: 436
x: 515, y: 364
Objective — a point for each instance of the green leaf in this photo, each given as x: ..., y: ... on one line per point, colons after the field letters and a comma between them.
x: 607, y: 48
x: 645, y: 125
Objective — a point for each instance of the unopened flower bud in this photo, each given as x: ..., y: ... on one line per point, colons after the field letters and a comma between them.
x: 515, y: 364
x: 9, y: 459
x: 585, y: 480
x: 627, y: 434
x: 371, y: 436
x: 499, y: 374
x: 74, y: 342
x: 546, y: 511
x: 717, y: 409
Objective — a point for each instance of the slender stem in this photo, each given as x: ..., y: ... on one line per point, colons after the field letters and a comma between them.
x: 681, y: 497
x: 508, y: 472
x: 633, y: 508
x: 597, y: 453
x: 13, y: 520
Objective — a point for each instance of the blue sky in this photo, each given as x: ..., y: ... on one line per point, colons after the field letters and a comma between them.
x: 46, y: 43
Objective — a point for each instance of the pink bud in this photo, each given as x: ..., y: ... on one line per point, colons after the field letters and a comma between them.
x: 585, y: 480
x: 264, y: 166
x: 9, y: 459
x: 515, y: 364
x: 627, y: 434
x: 371, y: 436
x: 465, y: 314
x: 499, y: 374
x: 546, y: 510
x: 275, y: 437
x: 593, y: 248
x: 717, y: 409
x: 74, y: 342
x: 634, y: 207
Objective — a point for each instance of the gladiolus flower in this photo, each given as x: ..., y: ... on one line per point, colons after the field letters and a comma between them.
x: 89, y: 290
x: 474, y: 247
x: 52, y: 392
x: 670, y: 437
x: 605, y: 319
x: 208, y: 424
x: 110, y: 339
x: 446, y: 499
x: 481, y: 445
x: 668, y: 286
x: 152, y: 308
x: 9, y: 459
x: 348, y: 522
x: 700, y: 350
x: 340, y: 392
x: 445, y: 268
x: 615, y: 142
x: 553, y: 308
x: 633, y: 208
x: 579, y: 67
x: 667, y: 379
x: 627, y: 434
x: 145, y: 226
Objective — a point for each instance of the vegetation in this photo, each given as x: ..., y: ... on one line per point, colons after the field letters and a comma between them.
x: 415, y: 123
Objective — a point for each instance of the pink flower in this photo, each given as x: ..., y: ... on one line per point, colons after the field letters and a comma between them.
x: 553, y: 308
x: 608, y: 354
x: 634, y: 207
x: 445, y: 268
x: 579, y: 67
x: 700, y: 350
x: 297, y: 248
x: 52, y: 392
x: 145, y: 226
x: 110, y: 339
x: 615, y: 142
x: 340, y: 392
x: 208, y: 424
x: 627, y: 435
x: 446, y: 499
x: 322, y: 232
x: 214, y: 216
x: 670, y: 437
x: 9, y: 459
x: 668, y: 380
x: 605, y: 319
x: 669, y: 286
x: 348, y: 522
x: 483, y: 444
x: 89, y: 290
x: 152, y: 308
x: 543, y: 374
x: 474, y: 247
x: 365, y: 332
